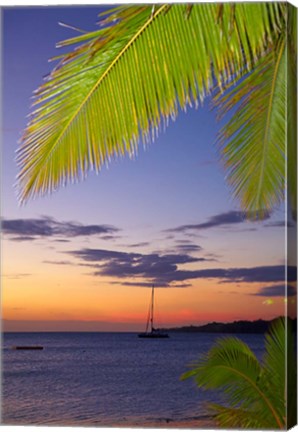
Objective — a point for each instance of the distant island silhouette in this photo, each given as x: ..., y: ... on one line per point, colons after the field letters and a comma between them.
x: 258, y: 326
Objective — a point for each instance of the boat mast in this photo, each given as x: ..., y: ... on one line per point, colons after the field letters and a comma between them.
x: 152, y: 307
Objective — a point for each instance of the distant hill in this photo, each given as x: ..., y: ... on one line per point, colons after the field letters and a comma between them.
x: 259, y: 326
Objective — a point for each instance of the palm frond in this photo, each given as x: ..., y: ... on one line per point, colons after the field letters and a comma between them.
x: 291, y: 373
x: 252, y: 143
x: 292, y: 108
x: 279, y: 365
x: 232, y: 367
x: 274, y: 360
x: 120, y: 81
x: 228, y: 417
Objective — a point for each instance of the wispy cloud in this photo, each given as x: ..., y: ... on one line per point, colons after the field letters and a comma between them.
x: 136, y: 245
x: 164, y: 270
x: 188, y: 247
x: 156, y: 268
x: 222, y: 219
x: 33, y: 229
x: 16, y: 275
x: 276, y: 291
x: 57, y: 262
x: 279, y: 224
x: 149, y: 284
x: 22, y: 238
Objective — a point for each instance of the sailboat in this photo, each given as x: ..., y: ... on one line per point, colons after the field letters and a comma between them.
x: 151, y: 332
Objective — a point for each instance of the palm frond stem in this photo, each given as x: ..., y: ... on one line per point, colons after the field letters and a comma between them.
x: 258, y: 390
x: 267, y: 125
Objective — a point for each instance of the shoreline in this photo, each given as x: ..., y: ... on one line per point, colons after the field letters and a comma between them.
x: 200, y: 422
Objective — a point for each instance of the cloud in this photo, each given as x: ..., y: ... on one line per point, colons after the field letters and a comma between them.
x: 58, y: 262
x: 149, y: 284
x: 279, y: 224
x: 276, y: 291
x: 32, y: 229
x: 110, y: 237
x: 16, y: 275
x: 182, y: 247
x: 242, y: 274
x: 222, y: 219
x: 23, y: 238
x: 158, y: 269
x: 141, y: 244
x: 164, y: 270
x: 188, y: 247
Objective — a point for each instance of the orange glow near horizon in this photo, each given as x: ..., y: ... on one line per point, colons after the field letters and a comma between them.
x: 68, y: 297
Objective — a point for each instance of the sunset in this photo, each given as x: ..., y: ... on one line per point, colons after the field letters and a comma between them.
x: 109, y: 194
x: 169, y: 209
x: 98, y: 263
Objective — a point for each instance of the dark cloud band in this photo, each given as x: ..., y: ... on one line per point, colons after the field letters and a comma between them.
x: 32, y: 229
x: 277, y: 291
x: 222, y: 219
x: 164, y: 270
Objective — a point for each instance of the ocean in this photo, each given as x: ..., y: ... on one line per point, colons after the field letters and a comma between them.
x: 105, y: 379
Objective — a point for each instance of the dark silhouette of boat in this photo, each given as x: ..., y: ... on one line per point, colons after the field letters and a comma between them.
x: 151, y: 332
x: 28, y: 347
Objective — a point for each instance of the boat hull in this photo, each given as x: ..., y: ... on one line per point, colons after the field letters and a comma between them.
x: 27, y: 347
x: 153, y: 335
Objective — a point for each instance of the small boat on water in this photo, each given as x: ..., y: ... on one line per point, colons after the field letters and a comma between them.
x: 151, y: 332
x: 28, y: 347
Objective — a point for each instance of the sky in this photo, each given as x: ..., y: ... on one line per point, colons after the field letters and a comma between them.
x: 85, y: 257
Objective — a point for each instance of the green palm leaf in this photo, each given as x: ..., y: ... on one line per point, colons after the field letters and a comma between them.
x: 291, y: 374
x: 229, y: 417
x: 292, y: 107
x: 122, y: 80
x: 231, y: 366
x: 274, y: 361
x: 253, y: 147
x: 280, y: 367
x: 255, y: 392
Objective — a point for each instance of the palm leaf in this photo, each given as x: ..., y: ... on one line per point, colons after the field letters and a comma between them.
x: 291, y: 373
x: 121, y: 80
x: 274, y: 363
x: 280, y: 368
x: 228, y: 417
x: 231, y: 366
x: 252, y: 143
x: 292, y: 108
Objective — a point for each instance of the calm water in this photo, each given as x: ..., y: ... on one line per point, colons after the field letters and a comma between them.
x: 103, y: 379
